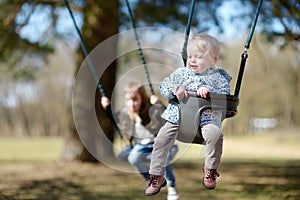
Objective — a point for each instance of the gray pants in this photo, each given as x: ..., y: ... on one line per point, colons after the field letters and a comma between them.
x: 166, y: 137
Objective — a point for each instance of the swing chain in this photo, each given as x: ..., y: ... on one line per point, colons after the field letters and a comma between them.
x: 141, y: 54
x: 187, y: 33
x: 93, y: 70
x: 245, y: 54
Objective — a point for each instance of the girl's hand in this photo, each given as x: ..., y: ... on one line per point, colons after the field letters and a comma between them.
x: 181, y: 93
x: 202, y: 92
x: 105, y: 102
x: 154, y: 99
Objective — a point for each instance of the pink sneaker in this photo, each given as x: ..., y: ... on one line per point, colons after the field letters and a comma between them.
x: 155, y: 184
x: 210, y: 177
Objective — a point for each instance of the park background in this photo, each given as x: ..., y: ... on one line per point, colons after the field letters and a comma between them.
x: 41, y: 154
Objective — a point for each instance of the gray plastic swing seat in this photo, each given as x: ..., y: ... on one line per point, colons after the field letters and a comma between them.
x: 191, y: 108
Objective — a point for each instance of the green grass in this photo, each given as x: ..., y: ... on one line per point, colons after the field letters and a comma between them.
x: 267, y: 146
x: 261, y: 167
x: 37, y: 149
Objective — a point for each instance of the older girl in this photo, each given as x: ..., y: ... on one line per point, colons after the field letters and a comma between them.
x: 140, y: 121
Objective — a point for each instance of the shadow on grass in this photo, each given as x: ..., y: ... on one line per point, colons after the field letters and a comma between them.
x: 244, y: 180
x: 275, y: 179
x: 270, y: 180
x: 57, y: 189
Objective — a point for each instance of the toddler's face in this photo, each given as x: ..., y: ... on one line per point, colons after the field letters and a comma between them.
x: 198, y: 60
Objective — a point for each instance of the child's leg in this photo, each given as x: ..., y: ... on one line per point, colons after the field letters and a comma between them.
x: 137, y: 158
x: 170, y: 177
x: 123, y: 156
x: 214, y: 145
x: 162, y: 144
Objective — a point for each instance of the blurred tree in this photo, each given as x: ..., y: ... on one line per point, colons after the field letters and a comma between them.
x: 28, y: 27
x: 279, y: 18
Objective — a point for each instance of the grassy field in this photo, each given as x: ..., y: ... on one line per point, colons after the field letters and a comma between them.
x: 261, y: 167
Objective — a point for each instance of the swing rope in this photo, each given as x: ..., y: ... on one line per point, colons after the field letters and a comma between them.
x: 85, y: 51
x: 244, y: 55
x: 187, y: 33
x: 141, y: 54
x: 93, y: 69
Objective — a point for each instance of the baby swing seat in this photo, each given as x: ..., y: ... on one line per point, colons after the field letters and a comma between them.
x: 191, y: 108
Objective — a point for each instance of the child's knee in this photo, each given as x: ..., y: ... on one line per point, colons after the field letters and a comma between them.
x: 133, y: 159
x: 211, y: 132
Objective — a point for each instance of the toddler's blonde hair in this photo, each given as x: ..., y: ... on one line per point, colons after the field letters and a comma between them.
x: 207, y: 43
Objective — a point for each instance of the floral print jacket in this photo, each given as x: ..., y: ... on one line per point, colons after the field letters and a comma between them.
x: 215, y: 79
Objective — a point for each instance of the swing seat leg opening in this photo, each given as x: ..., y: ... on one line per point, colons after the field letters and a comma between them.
x: 190, y: 111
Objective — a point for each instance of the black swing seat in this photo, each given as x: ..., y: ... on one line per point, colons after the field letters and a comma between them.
x: 191, y: 108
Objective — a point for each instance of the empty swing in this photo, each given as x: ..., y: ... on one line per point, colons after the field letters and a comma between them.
x: 191, y: 108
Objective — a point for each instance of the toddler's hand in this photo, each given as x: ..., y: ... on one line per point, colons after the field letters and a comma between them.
x: 105, y: 102
x: 202, y: 92
x: 181, y: 93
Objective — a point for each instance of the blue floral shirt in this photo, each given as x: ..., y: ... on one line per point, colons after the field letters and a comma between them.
x: 215, y: 79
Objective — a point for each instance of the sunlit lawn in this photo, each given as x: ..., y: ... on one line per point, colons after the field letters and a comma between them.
x: 38, y: 149
x: 265, y: 166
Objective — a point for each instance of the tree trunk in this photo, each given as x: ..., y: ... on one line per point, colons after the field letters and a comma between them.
x: 88, y: 141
